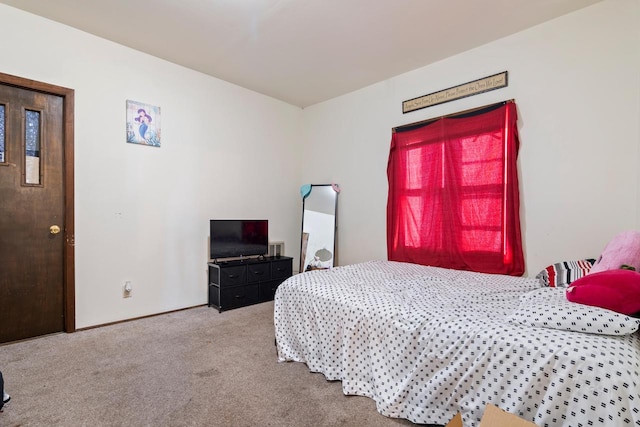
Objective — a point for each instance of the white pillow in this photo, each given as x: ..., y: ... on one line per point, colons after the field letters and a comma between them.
x: 549, y: 308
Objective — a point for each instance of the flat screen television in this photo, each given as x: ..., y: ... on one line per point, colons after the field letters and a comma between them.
x: 234, y: 238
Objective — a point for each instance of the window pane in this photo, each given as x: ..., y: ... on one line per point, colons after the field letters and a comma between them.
x: 412, y: 209
x: 2, y: 155
x: 32, y: 147
x: 477, y: 240
x: 424, y: 167
x: 482, y: 160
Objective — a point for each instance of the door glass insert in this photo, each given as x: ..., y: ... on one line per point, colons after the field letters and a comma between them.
x: 2, y: 144
x: 32, y: 147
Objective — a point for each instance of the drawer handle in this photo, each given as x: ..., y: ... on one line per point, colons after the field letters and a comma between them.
x: 258, y: 273
x: 280, y: 269
x: 232, y: 276
x: 240, y: 296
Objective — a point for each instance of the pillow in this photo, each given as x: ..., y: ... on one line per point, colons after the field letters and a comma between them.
x: 563, y: 273
x: 548, y: 308
x: 617, y: 290
x: 623, y: 249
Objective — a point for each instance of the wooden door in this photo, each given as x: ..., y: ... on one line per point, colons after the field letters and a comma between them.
x: 33, y: 224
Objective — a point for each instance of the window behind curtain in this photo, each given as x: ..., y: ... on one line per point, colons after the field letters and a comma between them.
x: 453, y: 193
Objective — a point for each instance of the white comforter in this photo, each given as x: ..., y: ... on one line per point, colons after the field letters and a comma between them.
x: 427, y: 342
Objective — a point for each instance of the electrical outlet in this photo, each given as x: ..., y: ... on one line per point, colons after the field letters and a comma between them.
x: 127, y: 289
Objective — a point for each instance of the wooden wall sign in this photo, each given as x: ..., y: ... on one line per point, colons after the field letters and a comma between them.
x: 475, y: 87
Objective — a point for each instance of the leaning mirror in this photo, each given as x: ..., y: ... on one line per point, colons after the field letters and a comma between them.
x: 319, y: 226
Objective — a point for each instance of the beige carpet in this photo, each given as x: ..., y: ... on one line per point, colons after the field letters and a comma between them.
x: 195, y: 367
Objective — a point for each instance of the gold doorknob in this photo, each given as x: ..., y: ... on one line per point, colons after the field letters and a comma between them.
x: 54, y: 229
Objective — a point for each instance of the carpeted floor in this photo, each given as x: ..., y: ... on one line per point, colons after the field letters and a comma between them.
x: 194, y: 367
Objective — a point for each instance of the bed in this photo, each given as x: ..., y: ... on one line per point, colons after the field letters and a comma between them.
x: 425, y: 343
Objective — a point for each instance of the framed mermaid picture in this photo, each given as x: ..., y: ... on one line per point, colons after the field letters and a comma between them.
x: 143, y: 124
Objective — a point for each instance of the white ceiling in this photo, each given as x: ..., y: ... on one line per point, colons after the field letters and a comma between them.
x: 301, y: 51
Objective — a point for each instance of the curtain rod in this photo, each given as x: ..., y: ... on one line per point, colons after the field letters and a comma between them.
x: 459, y: 113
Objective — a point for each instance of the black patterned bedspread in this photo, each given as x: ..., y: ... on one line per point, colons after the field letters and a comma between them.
x: 427, y: 342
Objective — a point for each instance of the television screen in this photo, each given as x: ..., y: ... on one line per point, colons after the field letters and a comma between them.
x: 232, y: 238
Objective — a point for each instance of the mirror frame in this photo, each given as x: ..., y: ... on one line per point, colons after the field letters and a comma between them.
x: 305, y: 191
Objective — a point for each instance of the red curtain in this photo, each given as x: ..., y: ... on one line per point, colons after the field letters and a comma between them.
x: 453, y: 193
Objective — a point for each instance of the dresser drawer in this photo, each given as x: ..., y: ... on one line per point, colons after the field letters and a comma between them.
x: 233, y: 276
x: 214, y: 295
x: 281, y: 269
x: 238, y: 296
x: 258, y: 272
x: 268, y: 289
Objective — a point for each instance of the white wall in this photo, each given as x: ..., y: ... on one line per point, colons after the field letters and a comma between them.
x: 575, y: 81
x: 142, y: 212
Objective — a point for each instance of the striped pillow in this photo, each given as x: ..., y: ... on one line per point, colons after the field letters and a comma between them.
x: 560, y: 275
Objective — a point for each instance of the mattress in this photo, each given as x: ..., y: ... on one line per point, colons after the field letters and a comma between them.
x: 427, y: 342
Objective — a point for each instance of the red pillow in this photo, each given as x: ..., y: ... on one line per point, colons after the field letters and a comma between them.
x: 616, y: 290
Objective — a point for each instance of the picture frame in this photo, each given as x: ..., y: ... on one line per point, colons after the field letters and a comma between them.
x: 143, y: 124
